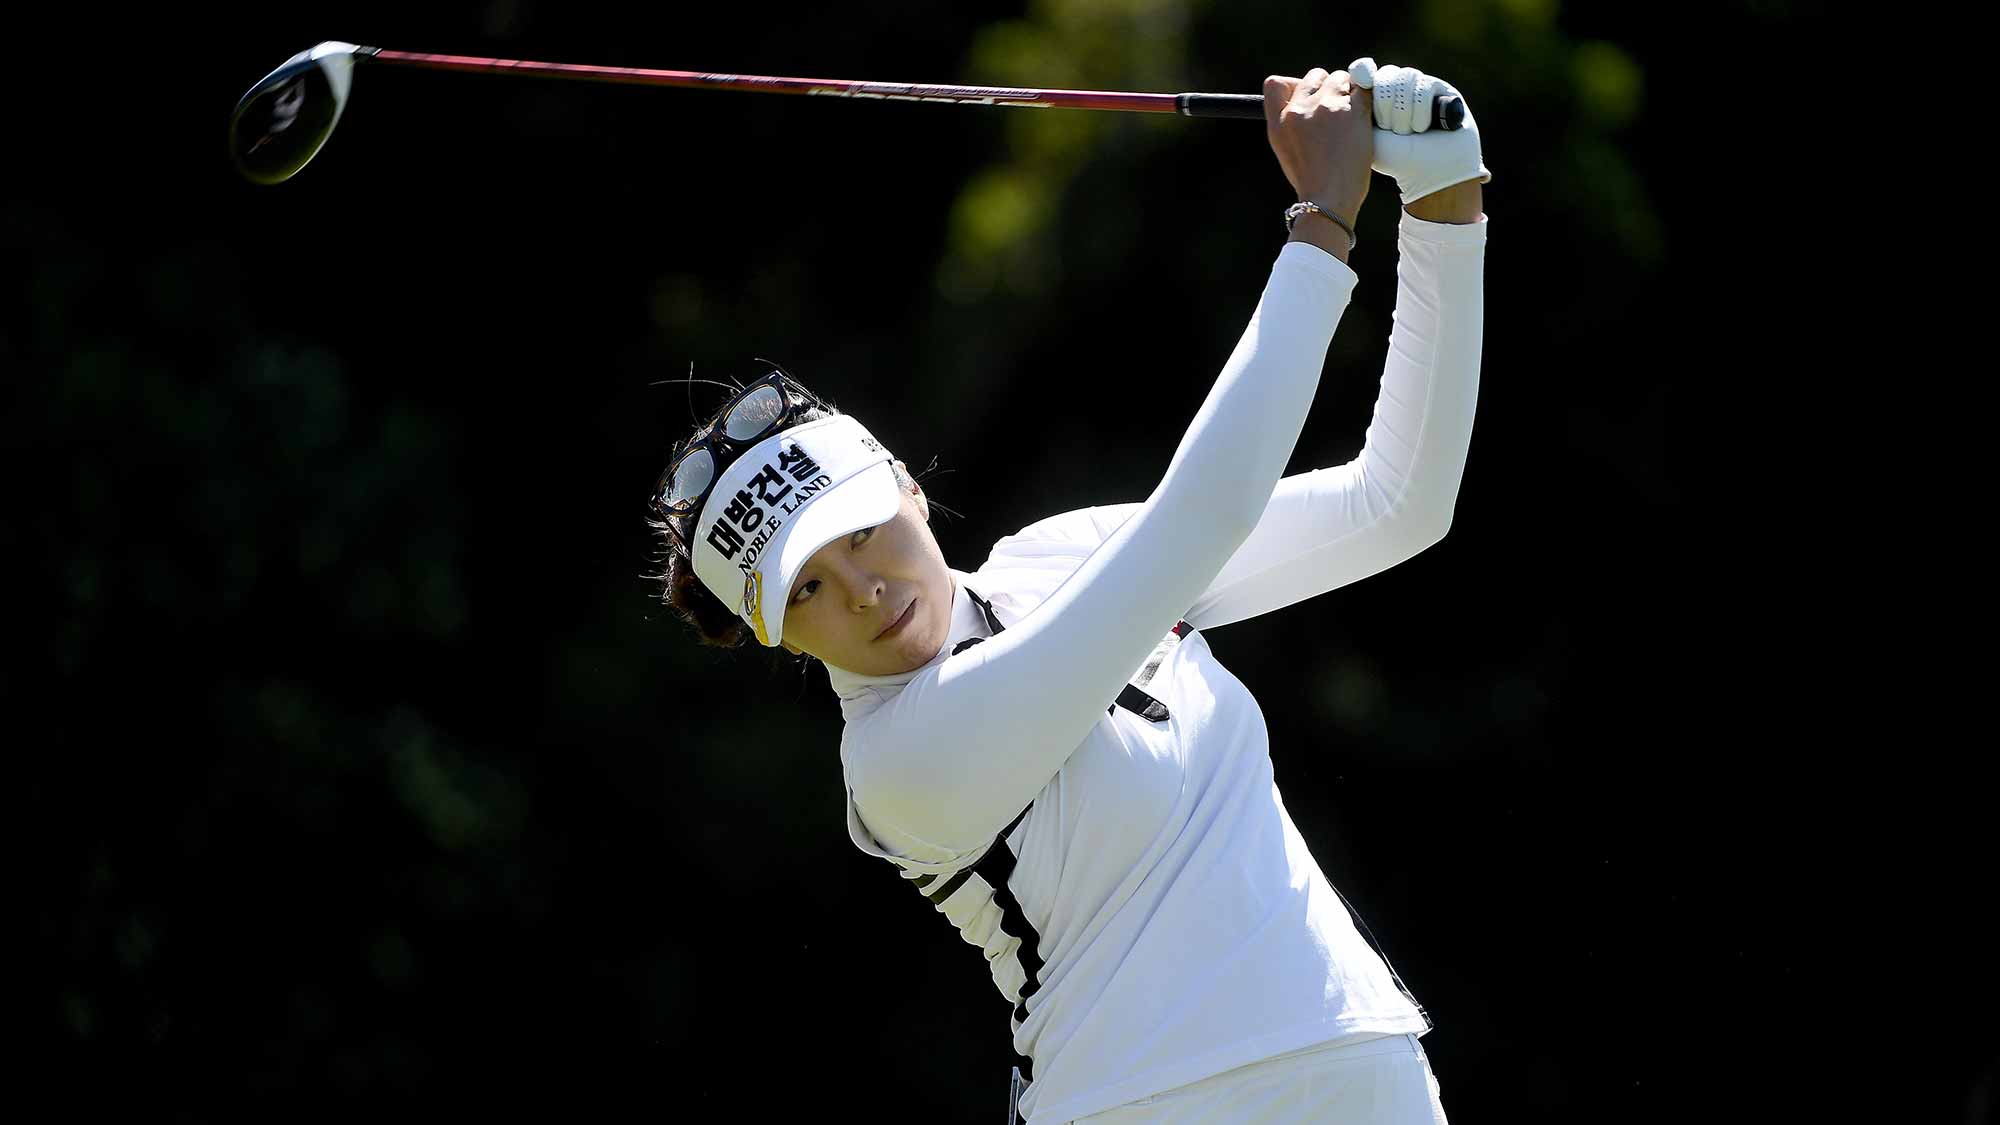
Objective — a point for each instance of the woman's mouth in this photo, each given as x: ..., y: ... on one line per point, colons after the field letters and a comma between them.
x: 902, y: 620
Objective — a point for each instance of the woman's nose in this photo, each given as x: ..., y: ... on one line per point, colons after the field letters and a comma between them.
x: 867, y: 591
x: 861, y: 588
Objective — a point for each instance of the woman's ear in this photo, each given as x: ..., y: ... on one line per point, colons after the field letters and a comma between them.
x: 917, y: 491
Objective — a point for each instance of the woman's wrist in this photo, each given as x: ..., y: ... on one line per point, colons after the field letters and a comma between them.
x: 1459, y: 203
x: 1322, y: 232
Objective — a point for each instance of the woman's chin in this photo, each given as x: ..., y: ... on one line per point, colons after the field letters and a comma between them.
x: 914, y: 648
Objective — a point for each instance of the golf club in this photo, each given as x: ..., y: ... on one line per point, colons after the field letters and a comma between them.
x: 281, y: 123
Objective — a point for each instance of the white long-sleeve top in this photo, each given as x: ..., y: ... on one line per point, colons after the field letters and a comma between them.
x: 1155, y: 917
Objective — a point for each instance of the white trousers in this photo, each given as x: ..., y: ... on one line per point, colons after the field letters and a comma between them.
x: 1377, y: 1082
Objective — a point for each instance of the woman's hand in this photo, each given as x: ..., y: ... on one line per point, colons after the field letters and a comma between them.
x: 1425, y: 162
x: 1321, y: 128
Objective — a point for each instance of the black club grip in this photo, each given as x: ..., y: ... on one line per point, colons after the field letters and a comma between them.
x: 1447, y: 112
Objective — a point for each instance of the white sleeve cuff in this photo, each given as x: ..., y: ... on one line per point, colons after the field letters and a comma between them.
x: 1443, y: 234
x: 1307, y: 256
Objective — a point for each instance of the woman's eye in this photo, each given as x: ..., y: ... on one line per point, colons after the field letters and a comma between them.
x: 861, y: 536
x: 805, y: 591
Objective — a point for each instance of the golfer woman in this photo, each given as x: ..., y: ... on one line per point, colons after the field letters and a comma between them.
x: 1047, y: 748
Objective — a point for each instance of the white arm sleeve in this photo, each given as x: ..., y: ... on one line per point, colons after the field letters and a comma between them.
x: 967, y: 744
x: 1329, y: 527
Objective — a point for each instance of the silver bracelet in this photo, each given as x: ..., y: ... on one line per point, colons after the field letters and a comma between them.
x: 1293, y: 212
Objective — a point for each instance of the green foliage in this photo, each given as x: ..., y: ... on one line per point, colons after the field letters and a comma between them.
x: 1004, y: 222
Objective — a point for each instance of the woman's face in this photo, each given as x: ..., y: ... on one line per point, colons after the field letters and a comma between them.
x: 859, y: 585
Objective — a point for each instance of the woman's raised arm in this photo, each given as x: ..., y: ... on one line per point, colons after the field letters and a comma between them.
x: 1330, y: 527
x: 968, y: 743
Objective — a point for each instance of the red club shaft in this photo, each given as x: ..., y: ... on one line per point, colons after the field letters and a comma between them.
x: 758, y: 83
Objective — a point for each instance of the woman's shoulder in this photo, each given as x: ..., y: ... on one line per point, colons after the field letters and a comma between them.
x: 1029, y: 565
x: 1063, y: 534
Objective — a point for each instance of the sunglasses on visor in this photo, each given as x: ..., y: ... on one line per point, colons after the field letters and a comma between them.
x: 762, y: 408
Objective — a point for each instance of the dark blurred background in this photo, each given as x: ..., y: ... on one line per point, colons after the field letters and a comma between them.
x: 365, y: 772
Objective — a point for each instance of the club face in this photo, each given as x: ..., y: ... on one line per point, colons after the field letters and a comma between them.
x: 282, y: 122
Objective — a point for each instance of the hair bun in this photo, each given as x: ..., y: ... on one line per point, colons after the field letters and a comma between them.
x: 714, y: 623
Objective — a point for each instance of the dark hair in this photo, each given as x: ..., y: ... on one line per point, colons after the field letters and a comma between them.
x: 714, y: 623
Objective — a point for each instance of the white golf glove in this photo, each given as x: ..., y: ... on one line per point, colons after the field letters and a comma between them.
x: 1422, y: 160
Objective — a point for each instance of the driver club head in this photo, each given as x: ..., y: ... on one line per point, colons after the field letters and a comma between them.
x: 282, y: 122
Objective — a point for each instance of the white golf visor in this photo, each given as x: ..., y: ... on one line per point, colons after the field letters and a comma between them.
x: 783, y: 499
